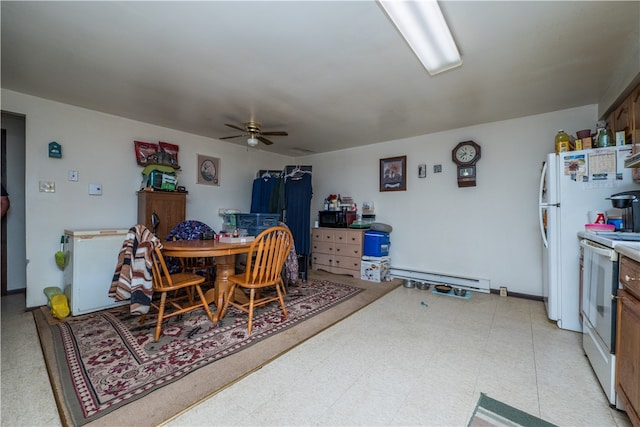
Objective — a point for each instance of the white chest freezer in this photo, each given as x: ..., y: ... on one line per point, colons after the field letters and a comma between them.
x: 92, y: 259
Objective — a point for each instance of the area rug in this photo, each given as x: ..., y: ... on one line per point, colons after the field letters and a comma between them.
x: 493, y: 413
x: 106, y: 369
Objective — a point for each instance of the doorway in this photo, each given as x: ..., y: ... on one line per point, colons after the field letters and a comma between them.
x: 14, y: 254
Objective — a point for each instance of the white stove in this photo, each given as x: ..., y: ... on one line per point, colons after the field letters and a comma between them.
x: 599, y: 287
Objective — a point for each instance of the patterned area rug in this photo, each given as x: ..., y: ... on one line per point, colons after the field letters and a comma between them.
x: 492, y: 413
x: 107, y: 359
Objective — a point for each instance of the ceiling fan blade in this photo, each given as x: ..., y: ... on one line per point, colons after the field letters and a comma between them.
x: 235, y: 127
x: 264, y: 140
x: 229, y: 137
x: 277, y: 132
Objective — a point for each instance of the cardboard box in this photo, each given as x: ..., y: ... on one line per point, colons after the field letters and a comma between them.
x: 587, y: 143
x: 375, y: 269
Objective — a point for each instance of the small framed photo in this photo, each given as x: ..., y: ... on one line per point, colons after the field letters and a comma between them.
x: 208, y: 170
x: 422, y: 170
x: 393, y: 174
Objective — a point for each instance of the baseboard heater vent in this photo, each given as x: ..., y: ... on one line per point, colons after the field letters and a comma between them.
x: 478, y: 285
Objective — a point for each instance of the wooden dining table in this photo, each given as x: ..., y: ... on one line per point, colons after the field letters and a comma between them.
x: 225, y: 254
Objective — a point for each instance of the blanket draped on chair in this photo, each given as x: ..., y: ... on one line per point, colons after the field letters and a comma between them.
x: 132, y: 278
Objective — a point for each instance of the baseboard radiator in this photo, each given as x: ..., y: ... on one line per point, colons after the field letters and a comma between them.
x: 478, y: 285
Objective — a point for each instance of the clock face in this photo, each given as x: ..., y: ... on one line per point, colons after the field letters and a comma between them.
x: 466, y: 153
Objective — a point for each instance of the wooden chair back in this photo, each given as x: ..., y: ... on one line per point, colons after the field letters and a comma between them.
x: 266, y: 257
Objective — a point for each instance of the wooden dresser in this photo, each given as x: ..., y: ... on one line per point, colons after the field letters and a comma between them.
x: 169, y: 206
x: 628, y: 339
x: 337, y: 250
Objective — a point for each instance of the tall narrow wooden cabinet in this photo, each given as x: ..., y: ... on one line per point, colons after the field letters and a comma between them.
x: 169, y: 206
x: 628, y: 339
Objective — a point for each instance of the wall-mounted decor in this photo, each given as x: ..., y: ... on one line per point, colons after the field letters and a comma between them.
x: 422, y: 170
x: 208, y: 170
x: 465, y: 155
x: 393, y: 174
x: 55, y: 150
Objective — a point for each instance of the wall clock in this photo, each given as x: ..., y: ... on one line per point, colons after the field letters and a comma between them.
x: 465, y: 155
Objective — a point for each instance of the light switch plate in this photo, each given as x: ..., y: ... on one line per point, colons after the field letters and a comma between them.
x: 72, y: 175
x: 47, y: 186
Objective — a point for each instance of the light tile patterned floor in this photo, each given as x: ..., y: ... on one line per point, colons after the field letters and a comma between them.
x: 396, y: 362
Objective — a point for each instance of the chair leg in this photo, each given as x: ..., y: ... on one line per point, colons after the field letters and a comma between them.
x: 163, y: 298
x: 252, y: 299
x: 204, y: 303
x: 222, y: 310
x: 284, y: 309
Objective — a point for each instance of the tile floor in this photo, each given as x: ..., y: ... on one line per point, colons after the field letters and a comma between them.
x: 396, y: 362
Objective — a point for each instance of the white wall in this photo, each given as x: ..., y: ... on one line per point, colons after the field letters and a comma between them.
x: 489, y: 231
x: 100, y: 147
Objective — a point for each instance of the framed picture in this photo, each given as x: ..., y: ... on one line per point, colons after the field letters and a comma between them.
x: 208, y: 169
x: 422, y: 170
x: 393, y: 174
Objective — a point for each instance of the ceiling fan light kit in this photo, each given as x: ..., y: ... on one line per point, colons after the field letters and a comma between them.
x: 252, y: 130
x: 423, y: 26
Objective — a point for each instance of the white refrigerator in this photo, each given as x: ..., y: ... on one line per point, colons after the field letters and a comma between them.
x: 93, y: 255
x: 572, y: 184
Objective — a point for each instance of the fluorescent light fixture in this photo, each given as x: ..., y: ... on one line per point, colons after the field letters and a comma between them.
x: 422, y: 25
x: 252, y: 141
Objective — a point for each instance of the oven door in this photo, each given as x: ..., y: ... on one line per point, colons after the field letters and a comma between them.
x: 600, y: 283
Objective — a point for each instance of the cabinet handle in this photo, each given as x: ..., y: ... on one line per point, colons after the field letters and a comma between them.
x: 629, y: 279
x: 614, y: 298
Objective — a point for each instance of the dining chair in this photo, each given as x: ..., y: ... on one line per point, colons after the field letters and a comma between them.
x: 165, y: 282
x: 265, y: 259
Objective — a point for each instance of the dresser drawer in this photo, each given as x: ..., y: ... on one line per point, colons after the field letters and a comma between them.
x: 347, y: 263
x: 630, y: 275
x: 351, y: 237
x: 321, y: 259
x: 323, y: 247
x: 348, y: 250
x: 323, y: 235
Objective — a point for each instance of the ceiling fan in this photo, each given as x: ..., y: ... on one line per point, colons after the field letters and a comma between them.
x: 252, y: 129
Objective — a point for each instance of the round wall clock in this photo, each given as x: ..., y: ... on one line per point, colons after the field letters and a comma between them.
x: 465, y: 155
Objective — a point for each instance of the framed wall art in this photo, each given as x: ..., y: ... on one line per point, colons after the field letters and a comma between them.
x: 208, y: 170
x: 393, y: 174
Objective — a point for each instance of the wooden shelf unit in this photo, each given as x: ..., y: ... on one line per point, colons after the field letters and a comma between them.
x: 169, y: 206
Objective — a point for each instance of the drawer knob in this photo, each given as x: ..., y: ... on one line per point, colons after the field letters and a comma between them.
x: 627, y: 278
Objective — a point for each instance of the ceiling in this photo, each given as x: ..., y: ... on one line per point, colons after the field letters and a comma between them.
x: 333, y: 74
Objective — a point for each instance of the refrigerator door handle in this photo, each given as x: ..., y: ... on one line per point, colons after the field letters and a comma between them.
x: 541, y: 189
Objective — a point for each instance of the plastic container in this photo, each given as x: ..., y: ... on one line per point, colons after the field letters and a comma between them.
x: 255, y: 223
x: 376, y: 243
x: 562, y: 141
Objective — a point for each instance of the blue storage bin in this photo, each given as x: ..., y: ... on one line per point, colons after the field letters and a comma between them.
x: 376, y: 243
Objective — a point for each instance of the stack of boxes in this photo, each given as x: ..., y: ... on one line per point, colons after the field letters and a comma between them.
x: 376, y: 263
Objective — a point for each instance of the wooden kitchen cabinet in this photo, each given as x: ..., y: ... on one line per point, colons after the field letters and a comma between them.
x: 337, y: 250
x: 628, y: 339
x: 169, y: 206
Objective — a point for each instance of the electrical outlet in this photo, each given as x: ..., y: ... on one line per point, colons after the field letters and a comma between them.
x: 437, y: 168
x: 503, y: 291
